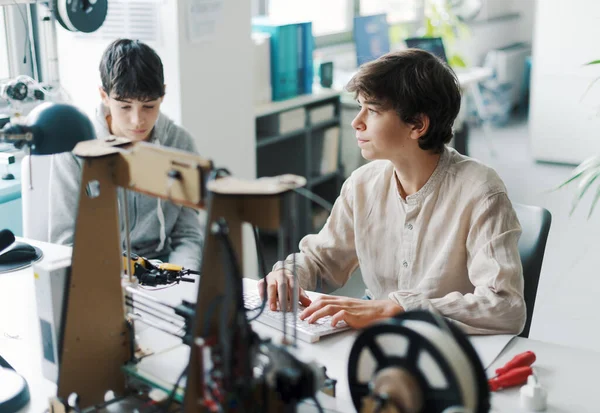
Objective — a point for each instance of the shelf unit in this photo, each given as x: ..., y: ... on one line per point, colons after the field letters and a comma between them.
x: 288, y: 140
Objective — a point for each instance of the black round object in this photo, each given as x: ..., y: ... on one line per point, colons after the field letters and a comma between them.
x: 18, y: 264
x: 6, y: 238
x: 435, y: 399
x: 14, y: 392
x: 17, y: 91
x: 80, y: 15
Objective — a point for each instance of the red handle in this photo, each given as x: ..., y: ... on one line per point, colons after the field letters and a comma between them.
x: 520, y: 360
x: 514, y: 377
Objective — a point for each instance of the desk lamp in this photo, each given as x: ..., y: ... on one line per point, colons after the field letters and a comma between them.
x: 50, y: 128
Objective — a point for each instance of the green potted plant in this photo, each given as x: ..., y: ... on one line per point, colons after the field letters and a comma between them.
x: 442, y: 21
x: 588, y: 172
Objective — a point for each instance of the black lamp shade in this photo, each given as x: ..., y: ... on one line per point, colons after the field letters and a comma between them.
x: 57, y: 128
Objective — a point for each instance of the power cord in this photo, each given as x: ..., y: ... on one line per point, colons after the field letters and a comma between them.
x: 174, y: 390
x: 318, y: 404
x: 322, y: 202
x: 263, y: 270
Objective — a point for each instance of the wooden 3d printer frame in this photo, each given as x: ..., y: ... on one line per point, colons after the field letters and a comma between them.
x: 96, y: 342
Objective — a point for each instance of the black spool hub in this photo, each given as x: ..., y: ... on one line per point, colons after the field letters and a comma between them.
x: 84, y: 15
x: 435, y: 399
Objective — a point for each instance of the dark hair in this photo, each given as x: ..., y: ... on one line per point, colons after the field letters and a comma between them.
x: 413, y: 82
x: 132, y: 70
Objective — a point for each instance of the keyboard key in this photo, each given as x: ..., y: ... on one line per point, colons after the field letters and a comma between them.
x: 306, y: 332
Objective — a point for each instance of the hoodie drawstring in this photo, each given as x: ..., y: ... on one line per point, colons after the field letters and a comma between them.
x: 161, y: 218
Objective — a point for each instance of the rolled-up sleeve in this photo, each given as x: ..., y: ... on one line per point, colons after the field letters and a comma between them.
x: 327, y: 259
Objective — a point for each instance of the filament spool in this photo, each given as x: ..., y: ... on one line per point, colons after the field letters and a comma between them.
x: 417, y: 349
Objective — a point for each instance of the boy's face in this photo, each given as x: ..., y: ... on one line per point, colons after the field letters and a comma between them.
x: 131, y: 118
x: 380, y: 132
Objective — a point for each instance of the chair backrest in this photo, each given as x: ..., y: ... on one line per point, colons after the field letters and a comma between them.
x: 36, y: 198
x: 535, y: 222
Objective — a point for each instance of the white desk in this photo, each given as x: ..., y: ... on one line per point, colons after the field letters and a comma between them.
x: 568, y: 374
x: 20, y: 342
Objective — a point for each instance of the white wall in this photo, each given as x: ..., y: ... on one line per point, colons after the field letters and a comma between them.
x: 217, y: 91
x: 564, y: 127
x: 209, y: 85
x: 79, y: 56
x: 489, y: 30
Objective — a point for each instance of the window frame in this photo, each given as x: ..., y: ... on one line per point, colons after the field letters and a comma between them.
x: 334, y: 38
x: 4, y: 54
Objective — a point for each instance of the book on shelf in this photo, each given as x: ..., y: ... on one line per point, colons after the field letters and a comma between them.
x: 262, y: 68
x: 291, y: 56
x: 322, y: 113
x: 331, y: 144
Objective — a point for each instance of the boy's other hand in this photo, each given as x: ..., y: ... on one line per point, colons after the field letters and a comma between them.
x: 280, y: 286
x: 356, y: 312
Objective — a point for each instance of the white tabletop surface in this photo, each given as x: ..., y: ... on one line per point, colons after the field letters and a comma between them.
x: 568, y: 374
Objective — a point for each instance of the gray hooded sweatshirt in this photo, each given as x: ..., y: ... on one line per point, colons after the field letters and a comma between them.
x: 158, y: 228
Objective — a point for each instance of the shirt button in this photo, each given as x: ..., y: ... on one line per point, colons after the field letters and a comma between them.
x: 410, y: 227
x: 405, y: 264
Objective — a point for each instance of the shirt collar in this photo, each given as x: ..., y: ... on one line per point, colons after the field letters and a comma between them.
x: 433, y: 181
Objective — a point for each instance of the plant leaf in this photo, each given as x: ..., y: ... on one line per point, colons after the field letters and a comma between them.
x: 588, y: 164
x: 593, y: 62
x: 587, y: 90
x: 587, y: 180
x: 456, y: 61
x: 596, y: 197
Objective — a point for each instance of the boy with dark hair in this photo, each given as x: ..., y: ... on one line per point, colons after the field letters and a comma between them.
x: 431, y: 229
x: 132, y: 91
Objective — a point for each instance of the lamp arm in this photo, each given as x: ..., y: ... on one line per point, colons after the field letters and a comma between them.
x: 18, y: 135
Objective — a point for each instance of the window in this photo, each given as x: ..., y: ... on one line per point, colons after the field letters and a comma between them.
x: 134, y: 19
x: 332, y: 19
x: 4, y: 68
x: 397, y: 10
x: 328, y: 16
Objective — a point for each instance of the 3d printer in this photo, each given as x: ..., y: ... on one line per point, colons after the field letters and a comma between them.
x: 230, y: 368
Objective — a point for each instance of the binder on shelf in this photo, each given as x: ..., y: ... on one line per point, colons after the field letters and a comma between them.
x: 305, y: 57
x: 284, y: 57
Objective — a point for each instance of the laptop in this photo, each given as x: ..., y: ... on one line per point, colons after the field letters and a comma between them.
x: 433, y: 45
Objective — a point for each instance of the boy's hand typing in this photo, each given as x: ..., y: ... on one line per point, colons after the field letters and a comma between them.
x: 357, y: 313
x: 280, y: 284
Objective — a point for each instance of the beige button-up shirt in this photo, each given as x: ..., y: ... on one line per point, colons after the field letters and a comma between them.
x: 451, y: 247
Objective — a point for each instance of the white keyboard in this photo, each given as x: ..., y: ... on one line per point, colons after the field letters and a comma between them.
x: 306, y: 332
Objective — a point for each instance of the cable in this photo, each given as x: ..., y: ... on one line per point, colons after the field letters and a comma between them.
x: 318, y: 404
x: 263, y: 270
x: 323, y: 203
x: 209, y: 312
x: 26, y: 27
x: 174, y: 390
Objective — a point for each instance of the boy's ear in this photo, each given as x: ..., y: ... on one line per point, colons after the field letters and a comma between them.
x: 103, y: 95
x: 162, y: 98
x: 420, y: 127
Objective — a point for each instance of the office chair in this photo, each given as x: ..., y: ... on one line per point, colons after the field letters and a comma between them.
x: 36, y: 199
x: 535, y: 222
